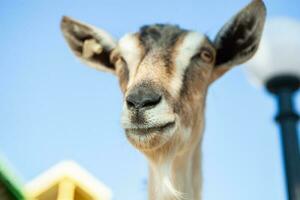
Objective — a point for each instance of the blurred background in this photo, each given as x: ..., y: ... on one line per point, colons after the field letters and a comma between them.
x: 53, y: 108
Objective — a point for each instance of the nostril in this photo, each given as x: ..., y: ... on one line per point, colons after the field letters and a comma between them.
x: 130, y: 102
x: 152, y: 101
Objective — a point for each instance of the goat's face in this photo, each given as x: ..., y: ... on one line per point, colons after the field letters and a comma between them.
x: 164, y: 71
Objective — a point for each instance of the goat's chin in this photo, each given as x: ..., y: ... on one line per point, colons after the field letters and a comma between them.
x: 149, y: 139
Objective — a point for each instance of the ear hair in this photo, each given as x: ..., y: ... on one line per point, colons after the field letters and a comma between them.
x: 238, y: 40
x: 91, y: 45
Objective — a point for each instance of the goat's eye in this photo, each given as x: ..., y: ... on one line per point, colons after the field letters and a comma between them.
x: 205, y: 55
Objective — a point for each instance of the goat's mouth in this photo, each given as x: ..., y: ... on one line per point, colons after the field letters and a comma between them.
x: 152, y: 136
x: 148, y: 130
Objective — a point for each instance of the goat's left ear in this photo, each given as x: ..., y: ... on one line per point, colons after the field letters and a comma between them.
x: 238, y: 40
x: 91, y: 45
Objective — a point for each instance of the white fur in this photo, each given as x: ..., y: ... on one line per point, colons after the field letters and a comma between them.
x: 191, y: 44
x: 131, y: 52
x: 162, y: 175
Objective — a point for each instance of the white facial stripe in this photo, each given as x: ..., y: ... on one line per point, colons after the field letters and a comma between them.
x: 190, y: 45
x: 131, y: 51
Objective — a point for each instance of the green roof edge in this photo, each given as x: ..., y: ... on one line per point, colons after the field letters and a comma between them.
x: 15, y: 191
x: 8, y: 178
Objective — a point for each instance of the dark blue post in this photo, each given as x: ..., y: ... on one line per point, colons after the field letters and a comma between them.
x: 284, y: 87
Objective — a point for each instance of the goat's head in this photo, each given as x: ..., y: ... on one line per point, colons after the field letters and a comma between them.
x: 164, y: 71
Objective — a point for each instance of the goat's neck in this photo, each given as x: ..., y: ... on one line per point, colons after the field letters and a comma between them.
x: 176, y: 175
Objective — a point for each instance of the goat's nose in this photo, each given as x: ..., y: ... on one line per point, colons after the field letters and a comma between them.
x: 142, y: 98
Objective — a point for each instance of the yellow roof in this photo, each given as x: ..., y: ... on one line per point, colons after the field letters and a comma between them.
x: 73, y: 172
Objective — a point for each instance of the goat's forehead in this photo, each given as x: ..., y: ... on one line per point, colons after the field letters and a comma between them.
x: 158, y: 36
x: 161, y: 36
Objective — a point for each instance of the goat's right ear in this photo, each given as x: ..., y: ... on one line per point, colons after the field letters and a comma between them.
x: 91, y: 45
x: 239, y: 39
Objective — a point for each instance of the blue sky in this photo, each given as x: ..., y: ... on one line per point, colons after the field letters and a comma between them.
x: 53, y: 108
